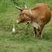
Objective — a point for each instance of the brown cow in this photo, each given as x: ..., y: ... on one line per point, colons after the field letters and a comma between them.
x: 38, y: 16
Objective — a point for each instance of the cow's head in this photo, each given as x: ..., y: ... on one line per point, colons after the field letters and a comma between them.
x: 24, y: 15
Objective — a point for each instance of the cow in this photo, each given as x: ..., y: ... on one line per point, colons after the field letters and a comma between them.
x: 38, y: 16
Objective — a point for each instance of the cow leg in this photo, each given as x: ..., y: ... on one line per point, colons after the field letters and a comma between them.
x: 34, y: 31
x: 37, y: 29
x: 41, y: 31
x: 38, y: 32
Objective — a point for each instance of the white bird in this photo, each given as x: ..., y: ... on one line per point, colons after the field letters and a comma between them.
x: 13, y: 29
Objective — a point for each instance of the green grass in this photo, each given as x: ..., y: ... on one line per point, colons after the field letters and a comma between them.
x: 38, y: 46
x: 22, y: 40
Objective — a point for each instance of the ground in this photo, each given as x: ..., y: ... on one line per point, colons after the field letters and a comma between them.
x: 22, y: 40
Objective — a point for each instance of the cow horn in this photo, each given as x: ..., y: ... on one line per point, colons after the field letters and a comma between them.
x: 25, y: 6
x: 18, y: 8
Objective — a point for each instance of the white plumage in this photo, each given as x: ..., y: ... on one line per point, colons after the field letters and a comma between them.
x: 13, y: 29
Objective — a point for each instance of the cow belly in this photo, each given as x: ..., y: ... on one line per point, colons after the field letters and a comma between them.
x: 36, y: 25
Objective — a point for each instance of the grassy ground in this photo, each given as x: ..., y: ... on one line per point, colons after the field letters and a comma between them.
x: 23, y: 40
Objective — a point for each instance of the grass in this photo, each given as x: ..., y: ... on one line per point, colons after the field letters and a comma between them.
x: 23, y: 40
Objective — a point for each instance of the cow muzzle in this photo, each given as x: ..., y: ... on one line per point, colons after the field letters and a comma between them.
x: 17, y: 21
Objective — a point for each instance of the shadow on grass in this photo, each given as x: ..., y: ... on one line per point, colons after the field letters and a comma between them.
x: 47, y: 36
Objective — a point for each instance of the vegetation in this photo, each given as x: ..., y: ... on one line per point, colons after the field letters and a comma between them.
x: 22, y: 40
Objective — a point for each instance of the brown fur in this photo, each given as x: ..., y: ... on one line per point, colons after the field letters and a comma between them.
x: 40, y: 15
